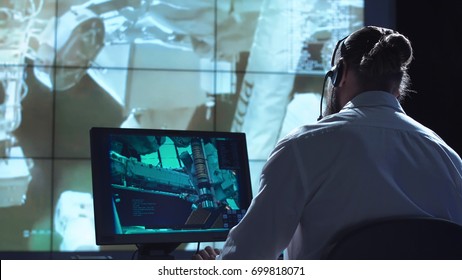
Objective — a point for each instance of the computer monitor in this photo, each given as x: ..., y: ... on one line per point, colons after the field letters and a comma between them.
x: 159, y: 188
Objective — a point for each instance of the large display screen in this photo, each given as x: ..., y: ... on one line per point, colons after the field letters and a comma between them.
x: 252, y: 66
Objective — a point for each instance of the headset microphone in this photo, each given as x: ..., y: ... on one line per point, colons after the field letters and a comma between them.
x: 335, y: 74
x: 328, y: 75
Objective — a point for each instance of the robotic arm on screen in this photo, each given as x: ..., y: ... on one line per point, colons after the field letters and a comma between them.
x: 16, y: 25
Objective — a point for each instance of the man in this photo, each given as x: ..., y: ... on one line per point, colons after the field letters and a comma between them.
x: 365, y: 159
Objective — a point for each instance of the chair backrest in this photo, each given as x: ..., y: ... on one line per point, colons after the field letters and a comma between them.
x: 401, y: 238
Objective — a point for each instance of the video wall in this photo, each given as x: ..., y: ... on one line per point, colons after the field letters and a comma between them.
x: 254, y: 66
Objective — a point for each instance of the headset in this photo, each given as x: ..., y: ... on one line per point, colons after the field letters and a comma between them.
x: 335, y: 73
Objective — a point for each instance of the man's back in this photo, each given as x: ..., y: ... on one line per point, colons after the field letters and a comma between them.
x: 364, y: 160
x: 373, y: 161
x: 368, y: 161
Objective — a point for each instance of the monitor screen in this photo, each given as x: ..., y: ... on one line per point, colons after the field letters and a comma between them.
x: 157, y: 188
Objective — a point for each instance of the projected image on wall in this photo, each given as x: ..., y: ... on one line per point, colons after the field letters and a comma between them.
x: 253, y: 66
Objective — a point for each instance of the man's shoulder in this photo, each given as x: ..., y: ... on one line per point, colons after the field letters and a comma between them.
x: 317, y: 129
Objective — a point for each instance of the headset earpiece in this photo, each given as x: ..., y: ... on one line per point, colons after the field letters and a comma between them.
x: 337, y: 73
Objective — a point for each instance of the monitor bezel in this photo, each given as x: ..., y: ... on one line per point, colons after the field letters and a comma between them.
x: 104, y: 226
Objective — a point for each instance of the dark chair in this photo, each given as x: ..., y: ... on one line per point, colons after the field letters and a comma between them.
x: 402, y: 238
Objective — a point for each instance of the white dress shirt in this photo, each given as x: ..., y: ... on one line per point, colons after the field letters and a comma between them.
x: 370, y: 160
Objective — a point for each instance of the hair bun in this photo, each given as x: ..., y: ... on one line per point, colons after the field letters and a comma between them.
x: 401, y: 46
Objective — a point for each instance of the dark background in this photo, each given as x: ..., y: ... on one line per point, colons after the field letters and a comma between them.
x: 435, y: 30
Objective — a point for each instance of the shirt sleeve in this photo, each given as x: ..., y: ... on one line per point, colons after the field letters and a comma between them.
x: 275, y: 212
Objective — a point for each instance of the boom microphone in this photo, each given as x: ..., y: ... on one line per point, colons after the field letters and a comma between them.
x: 328, y: 75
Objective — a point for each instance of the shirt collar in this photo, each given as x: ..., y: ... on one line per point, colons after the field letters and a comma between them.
x: 374, y: 99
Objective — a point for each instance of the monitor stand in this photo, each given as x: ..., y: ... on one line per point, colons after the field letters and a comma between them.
x: 156, y: 251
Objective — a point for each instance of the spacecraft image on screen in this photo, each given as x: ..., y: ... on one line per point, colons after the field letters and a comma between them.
x: 173, y: 183
x: 250, y: 66
x: 159, y: 187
